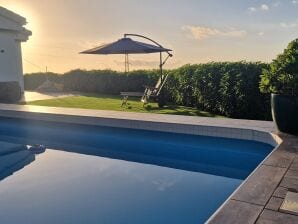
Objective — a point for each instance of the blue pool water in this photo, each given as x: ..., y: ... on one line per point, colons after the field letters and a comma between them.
x: 106, y: 175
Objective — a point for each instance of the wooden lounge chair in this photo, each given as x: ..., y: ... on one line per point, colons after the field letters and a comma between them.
x: 150, y: 92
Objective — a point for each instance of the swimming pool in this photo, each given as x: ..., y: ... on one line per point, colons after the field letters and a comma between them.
x: 92, y: 174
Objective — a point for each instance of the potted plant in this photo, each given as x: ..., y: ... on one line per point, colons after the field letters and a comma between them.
x: 281, y: 80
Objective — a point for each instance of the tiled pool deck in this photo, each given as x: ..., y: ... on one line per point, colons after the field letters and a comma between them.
x: 257, y: 200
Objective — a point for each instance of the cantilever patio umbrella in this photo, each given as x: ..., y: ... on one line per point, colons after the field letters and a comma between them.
x: 128, y: 46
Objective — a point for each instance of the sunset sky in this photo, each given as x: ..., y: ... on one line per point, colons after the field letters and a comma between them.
x: 197, y: 30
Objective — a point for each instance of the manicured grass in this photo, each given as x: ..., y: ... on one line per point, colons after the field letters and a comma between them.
x: 111, y: 102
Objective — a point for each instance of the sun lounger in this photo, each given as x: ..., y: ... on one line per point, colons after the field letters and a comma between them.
x: 150, y: 92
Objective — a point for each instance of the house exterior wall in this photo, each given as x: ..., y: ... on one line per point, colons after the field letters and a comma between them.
x: 19, y: 65
x: 8, y: 57
x: 12, y: 34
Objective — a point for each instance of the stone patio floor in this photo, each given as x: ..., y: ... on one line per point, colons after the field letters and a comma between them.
x: 258, y: 200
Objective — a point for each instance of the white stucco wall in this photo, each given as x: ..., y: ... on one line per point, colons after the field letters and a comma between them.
x: 19, y: 65
x: 8, y: 57
x: 12, y: 33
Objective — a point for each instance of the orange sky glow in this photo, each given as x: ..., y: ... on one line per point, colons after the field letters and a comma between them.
x: 197, y: 31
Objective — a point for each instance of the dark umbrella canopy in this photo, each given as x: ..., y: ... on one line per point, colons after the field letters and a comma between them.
x: 126, y: 46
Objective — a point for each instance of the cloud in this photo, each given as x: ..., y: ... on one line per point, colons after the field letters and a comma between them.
x: 295, y: 2
x: 289, y: 25
x: 163, y: 185
x: 264, y: 7
x: 203, y: 32
x: 252, y: 9
x: 261, y: 34
x: 276, y: 4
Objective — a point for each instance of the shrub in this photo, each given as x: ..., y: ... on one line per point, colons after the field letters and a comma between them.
x: 34, y: 80
x: 107, y: 81
x: 282, y: 75
x: 179, y: 86
x: 227, y: 88
x: 239, y: 93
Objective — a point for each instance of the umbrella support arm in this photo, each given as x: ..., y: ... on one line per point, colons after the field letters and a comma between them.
x: 162, y: 64
x: 147, y: 38
x: 165, y: 60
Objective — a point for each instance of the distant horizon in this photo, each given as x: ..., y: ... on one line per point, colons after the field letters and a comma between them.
x: 197, y: 31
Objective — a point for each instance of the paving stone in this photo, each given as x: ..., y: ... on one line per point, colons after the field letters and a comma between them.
x: 235, y: 212
x: 261, y: 185
x: 273, y: 217
x: 292, y: 174
x: 289, y: 147
x: 274, y: 203
x: 290, y: 183
x: 292, y: 148
x: 292, y: 140
x: 280, y: 192
x: 280, y: 158
x: 294, y: 165
x: 290, y: 203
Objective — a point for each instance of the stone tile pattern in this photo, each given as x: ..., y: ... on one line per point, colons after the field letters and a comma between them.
x: 259, y: 198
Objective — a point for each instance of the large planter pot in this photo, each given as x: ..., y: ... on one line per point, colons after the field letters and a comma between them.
x: 285, y: 113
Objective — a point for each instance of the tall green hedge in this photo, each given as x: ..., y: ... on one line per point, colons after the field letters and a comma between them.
x: 227, y: 88
x: 95, y: 81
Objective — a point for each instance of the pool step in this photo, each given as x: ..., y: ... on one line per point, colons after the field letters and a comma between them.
x: 6, y: 148
x: 14, y: 161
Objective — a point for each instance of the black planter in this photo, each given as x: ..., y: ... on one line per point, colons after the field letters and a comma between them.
x: 285, y: 113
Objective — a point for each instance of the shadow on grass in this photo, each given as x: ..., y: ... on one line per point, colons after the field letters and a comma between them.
x: 102, y: 96
x: 179, y: 110
x: 153, y: 108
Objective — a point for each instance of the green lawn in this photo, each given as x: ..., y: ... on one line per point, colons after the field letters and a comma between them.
x: 110, y: 102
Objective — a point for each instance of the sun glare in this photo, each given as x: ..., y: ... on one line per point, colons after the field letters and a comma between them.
x: 24, y: 11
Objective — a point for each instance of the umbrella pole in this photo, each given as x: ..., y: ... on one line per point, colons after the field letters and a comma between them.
x: 160, y: 66
x: 126, y: 63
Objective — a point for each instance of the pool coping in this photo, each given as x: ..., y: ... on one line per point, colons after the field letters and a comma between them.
x: 262, y: 131
x: 251, y: 201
